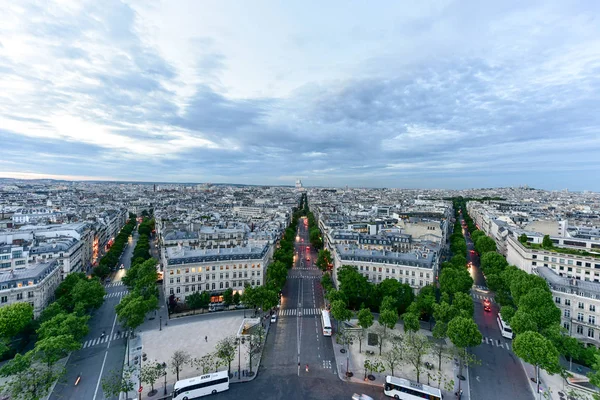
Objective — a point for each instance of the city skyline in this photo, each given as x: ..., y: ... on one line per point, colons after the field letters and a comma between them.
x: 422, y: 96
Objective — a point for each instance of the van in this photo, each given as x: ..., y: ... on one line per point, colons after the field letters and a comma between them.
x: 216, y: 307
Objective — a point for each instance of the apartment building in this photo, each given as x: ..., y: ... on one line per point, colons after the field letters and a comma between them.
x: 12, y: 256
x: 34, y: 283
x: 579, y: 302
x: 67, y: 251
x: 584, y: 268
x: 414, y: 268
x: 214, y: 270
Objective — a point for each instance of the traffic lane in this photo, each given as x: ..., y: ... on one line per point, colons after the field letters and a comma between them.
x: 296, y: 388
x: 486, y: 321
x: 280, y: 356
x: 490, y: 381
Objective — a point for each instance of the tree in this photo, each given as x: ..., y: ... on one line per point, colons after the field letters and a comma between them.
x: 196, y: 300
x: 132, y: 310
x: 423, y: 304
x: 463, y: 303
x: 393, y: 356
x: 523, y: 238
x: 65, y: 324
x: 493, y: 263
x: 266, y: 298
x: 411, y: 323
x: 228, y: 296
x: 178, y: 361
x: 463, y: 333
x: 324, y: 260
x: 14, y: 318
x: 236, y: 298
x: 522, y: 322
x: 277, y: 275
x: 226, y: 350
x: 88, y: 295
x: 372, y: 365
x: 507, y: 313
x: 150, y: 374
x: 485, y: 244
x: 455, y: 280
x: 476, y: 235
x: 535, y: 349
x: 539, y: 305
x: 547, y: 242
x: 387, y: 319
x: 417, y: 346
x: 459, y: 261
x: 401, y: 294
x: 51, y: 349
x: 340, y: 312
x: 28, y: 380
x: 205, y: 363
x: 365, y: 321
x: 440, y: 333
x: 355, y: 286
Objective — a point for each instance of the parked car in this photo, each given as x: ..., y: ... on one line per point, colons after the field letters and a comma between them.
x: 274, y: 318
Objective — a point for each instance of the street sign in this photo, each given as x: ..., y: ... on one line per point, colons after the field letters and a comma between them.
x: 140, y: 389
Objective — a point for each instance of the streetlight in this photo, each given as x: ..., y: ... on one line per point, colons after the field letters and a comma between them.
x: 164, y: 366
x: 160, y: 323
x: 239, y: 341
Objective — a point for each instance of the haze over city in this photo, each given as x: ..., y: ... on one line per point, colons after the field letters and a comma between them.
x: 435, y: 94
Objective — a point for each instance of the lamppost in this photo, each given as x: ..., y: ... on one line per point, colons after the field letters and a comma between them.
x: 164, y: 367
x: 239, y: 341
x: 160, y: 323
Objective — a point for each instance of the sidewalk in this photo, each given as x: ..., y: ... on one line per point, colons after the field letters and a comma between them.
x: 353, y: 361
x: 159, y: 346
x: 559, y: 388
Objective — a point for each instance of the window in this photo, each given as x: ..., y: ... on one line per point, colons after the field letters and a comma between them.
x: 580, y: 317
x: 566, y: 325
x: 178, y: 279
x: 19, y: 296
x: 590, y: 333
x: 214, y: 286
x: 557, y: 300
x: 4, y: 299
x: 567, y: 313
x: 178, y: 290
x: 592, y: 308
x: 170, y: 280
x: 567, y: 302
x: 580, y: 305
x: 171, y: 291
x: 578, y: 263
x: 29, y: 295
x: 187, y: 289
x: 592, y: 319
x: 580, y: 329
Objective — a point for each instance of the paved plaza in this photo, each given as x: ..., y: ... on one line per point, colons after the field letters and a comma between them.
x: 198, y: 338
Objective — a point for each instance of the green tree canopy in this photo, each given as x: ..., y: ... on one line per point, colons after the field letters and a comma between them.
x: 493, y: 263
x: 535, y: 349
x: 411, y: 322
x: 355, y: 286
x: 14, y: 318
x: 65, y: 324
x: 455, y: 280
x: 463, y: 332
x: 485, y: 244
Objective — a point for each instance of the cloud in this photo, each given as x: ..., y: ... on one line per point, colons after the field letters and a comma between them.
x: 475, y: 93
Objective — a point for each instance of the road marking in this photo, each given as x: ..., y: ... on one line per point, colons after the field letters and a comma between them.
x: 104, y: 361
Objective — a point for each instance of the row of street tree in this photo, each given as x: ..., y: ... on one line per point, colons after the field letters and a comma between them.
x: 110, y: 260
x: 527, y: 305
x: 59, y: 330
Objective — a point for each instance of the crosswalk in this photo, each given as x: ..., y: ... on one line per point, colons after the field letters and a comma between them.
x: 303, y: 277
x: 496, y: 343
x: 480, y: 287
x: 105, y: 339
x: 482, y: 297
x: 115, y: 284
x: 294, y: 311
x: 116, y: 294
x: 327, y: 364
x: 305, y: 269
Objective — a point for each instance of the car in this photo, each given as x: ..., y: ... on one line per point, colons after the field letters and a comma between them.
x: 307, y: 248
x: 487, y: 306
x: 307, y: 258
x: 357, y: 396
x: 122, y: 266
x: 274, y: 318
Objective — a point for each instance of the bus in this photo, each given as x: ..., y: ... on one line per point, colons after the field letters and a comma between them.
x: 201, y: 386
x: 326, y: 322
x: 404, y: 389
x: 505, y: 329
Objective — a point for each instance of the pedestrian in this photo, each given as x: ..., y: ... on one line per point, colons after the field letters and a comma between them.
x: 206, y: 338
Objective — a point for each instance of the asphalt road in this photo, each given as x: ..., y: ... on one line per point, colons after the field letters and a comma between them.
x: 296, y: 339
x: 499, y: 375
x: 99, y: 356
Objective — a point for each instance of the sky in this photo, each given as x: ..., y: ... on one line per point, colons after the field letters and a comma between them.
x: 440, y: 94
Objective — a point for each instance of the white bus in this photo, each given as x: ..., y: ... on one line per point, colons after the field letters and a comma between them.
x: 204, y: 385
x: 505, y: 329
x: 404, y: 389
x: 326, y: 322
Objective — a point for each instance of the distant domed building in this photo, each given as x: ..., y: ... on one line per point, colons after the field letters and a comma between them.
x: 299, y: 185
